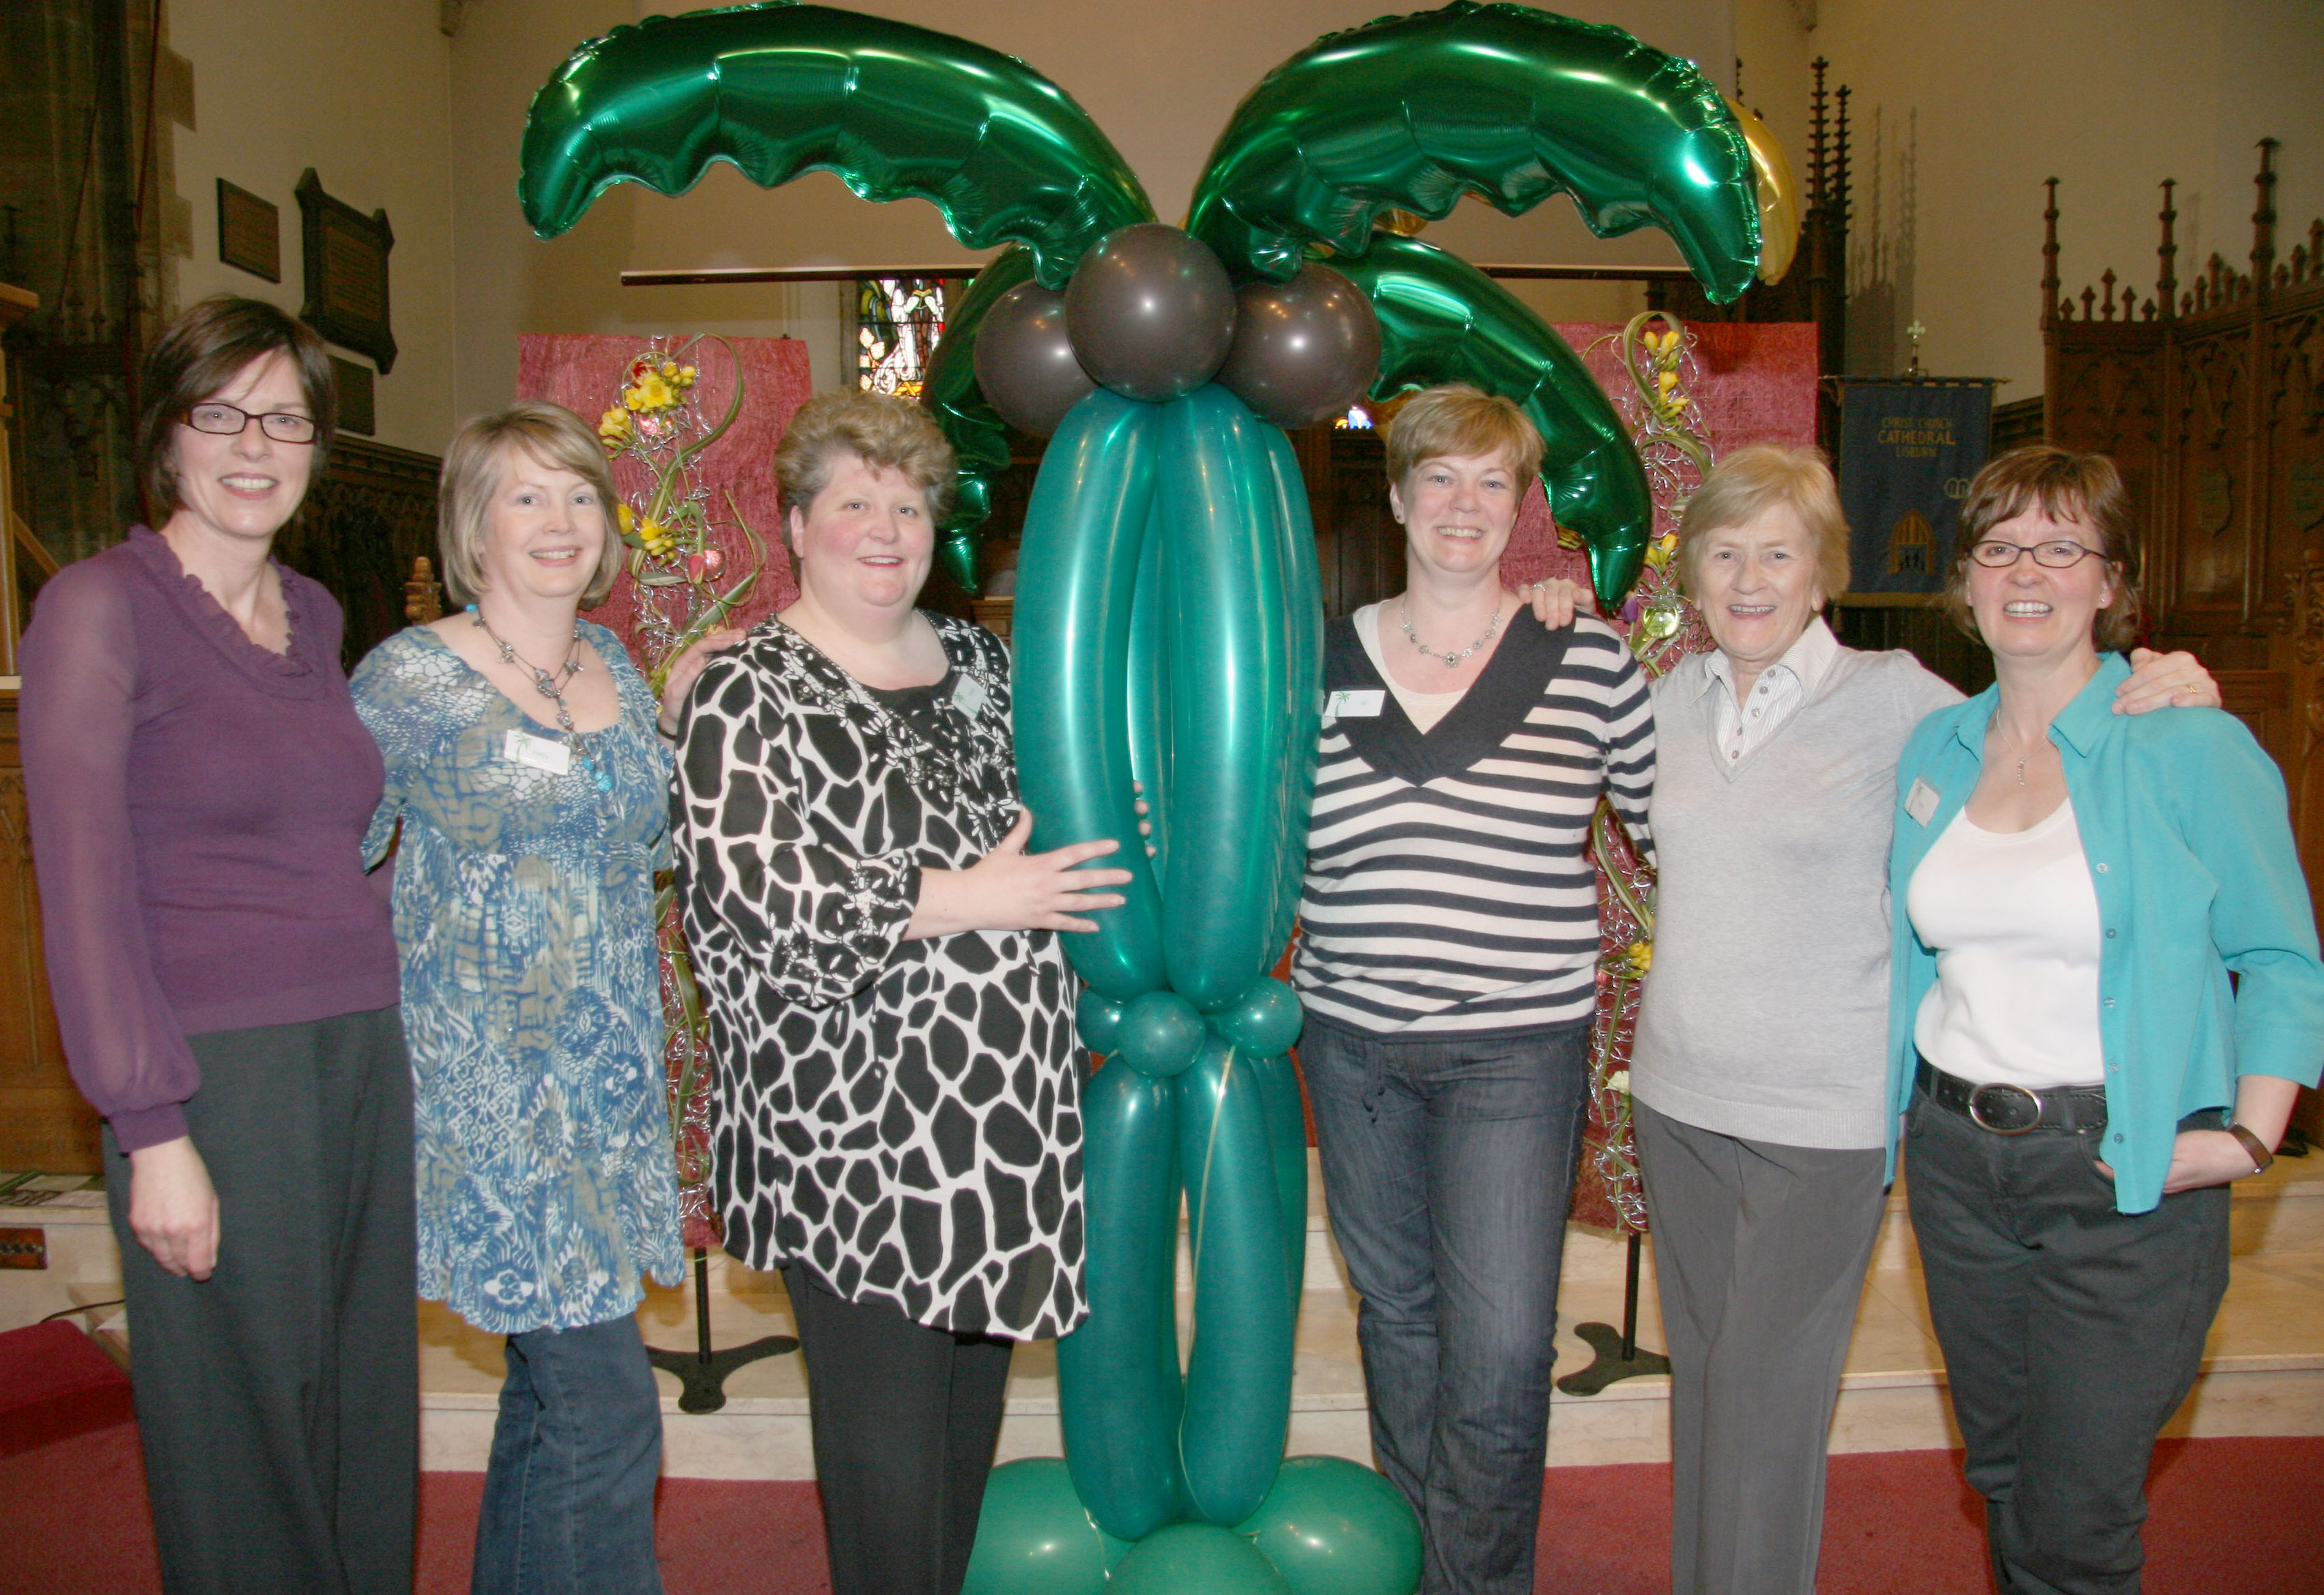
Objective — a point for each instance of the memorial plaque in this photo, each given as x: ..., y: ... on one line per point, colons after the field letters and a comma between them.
x: 250, y: 232
x: 346, y: 273
x: 355, y: 412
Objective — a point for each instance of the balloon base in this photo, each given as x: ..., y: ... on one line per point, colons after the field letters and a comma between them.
x: 703, y: 1371
x: 1616, y: 1359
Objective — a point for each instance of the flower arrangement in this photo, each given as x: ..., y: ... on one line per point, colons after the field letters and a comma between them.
x: 674, y: 559
x: 1657, y: 354
x: 677, y: 567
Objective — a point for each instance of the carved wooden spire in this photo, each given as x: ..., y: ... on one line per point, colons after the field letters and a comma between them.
x: 2050, y: 256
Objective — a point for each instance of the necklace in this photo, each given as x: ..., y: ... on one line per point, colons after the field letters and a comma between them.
x: 551, y: 686
x: 1452, y: 662
x: 2021, y: 772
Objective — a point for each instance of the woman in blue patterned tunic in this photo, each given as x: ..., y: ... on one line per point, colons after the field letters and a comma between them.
x: 524, y: 767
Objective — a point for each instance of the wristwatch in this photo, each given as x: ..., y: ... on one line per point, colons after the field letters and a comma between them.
x: 2260, y: 1155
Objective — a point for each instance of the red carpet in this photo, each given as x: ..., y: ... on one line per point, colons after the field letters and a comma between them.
x: 2231, y: 1517
x: 56, y: 1383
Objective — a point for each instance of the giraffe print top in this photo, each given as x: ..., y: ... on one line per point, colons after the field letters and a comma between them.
x: 902, y: 1117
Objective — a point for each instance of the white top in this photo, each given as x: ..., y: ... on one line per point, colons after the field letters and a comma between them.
x: 2014, y: 922
x: 1424, y: 709
x: 1781, y: 687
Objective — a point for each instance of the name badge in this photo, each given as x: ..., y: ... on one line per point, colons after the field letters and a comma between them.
x: 1921, y: 802
x: 1362, y: 704
x: 537, y: 752
x: 970, y: 696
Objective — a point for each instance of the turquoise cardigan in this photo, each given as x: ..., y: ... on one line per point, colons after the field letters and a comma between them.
x: 2184, y: 826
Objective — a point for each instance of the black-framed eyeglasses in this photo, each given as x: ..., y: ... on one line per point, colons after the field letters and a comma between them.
x: 227, y: 421
x: 2058, y: 554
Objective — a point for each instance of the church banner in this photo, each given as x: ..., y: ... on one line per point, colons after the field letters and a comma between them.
x: 1908, y: 448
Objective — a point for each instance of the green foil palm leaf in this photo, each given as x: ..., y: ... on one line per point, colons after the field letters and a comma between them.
x: 1504, y: 102
x: 1443, y: 320
x: 979, y: 438
x: 896, y: 111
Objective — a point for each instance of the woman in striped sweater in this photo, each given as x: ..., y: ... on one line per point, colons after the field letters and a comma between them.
x: 1447, y: 967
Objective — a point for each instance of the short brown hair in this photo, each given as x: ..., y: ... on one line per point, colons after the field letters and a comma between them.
x: 885, y: 432
x: 473, y: 466
x: 2066, y: 486
x: 201, y: 352
x: 1457, y: 422
x: 1747, y: 482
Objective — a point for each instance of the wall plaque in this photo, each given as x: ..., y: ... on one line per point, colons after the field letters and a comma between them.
x: 346, y: 273
x: 250, y: 232
x: 354, y: 381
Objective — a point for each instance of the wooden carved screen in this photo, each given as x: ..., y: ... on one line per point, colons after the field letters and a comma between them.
x: 2210, y: 398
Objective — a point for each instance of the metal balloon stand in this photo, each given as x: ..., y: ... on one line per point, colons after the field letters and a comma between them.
x: 1618, y: 1355
x: 703, y: 1371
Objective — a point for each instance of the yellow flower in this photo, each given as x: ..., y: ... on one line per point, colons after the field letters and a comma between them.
x: 1641, y: 957
x: 669, y: 369
x: 628, y: 519
x: 652, y: 392
x: 686, y: 376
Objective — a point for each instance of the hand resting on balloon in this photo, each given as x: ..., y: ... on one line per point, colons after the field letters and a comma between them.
x: 1009, y: 888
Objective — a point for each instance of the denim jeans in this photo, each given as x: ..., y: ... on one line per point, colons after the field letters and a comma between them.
x: 2071, y: 1333
x: 569, y: 1492
x: 1448, y: 1166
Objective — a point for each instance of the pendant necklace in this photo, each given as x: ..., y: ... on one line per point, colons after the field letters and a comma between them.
x: 2021, y: 772
x: 1452, y: 662
x: 551, y: 686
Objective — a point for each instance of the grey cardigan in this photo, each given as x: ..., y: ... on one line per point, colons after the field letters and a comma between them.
x: 1766, y: 1012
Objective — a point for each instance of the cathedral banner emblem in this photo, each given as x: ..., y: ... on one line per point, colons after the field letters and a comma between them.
x: 1908, y: 448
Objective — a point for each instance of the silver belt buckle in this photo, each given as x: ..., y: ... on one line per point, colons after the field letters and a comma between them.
x: 1977, y: 1110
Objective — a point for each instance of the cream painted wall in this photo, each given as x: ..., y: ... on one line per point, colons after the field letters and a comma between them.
x: 1160, y: 80
x: 359, y: 90
x: 1969, y: 105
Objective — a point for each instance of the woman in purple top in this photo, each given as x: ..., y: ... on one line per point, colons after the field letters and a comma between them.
x: 225, y: 982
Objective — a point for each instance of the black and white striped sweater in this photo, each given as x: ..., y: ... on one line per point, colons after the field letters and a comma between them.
x: 1449, y: 885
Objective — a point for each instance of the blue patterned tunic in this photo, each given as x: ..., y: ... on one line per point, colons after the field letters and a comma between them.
x: 524, y: 912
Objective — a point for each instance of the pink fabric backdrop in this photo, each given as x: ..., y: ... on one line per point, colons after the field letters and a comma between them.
x: 1757, y: 384
x: 585, y: 372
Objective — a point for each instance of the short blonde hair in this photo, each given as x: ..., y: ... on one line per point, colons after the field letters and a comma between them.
x: 1750, y: 480
x: 2067, y: 487
x: 1457, y: 422
x: 885, y: 432
x: 472, y: 468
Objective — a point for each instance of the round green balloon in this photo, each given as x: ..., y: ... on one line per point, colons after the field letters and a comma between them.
x: 1333, y: 1527
x: 1160, y: 1034
x: 1195, y: 1559
x: 1264, y: 1021
x: 1033, y: 1537
x: 1098, y: 1018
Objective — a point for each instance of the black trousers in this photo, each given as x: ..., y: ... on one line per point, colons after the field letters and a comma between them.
x: 279, y: 1399
x: 2071, y: 1333
x: 905, y: 1419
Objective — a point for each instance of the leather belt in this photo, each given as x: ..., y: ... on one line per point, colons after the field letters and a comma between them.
x: 2013, y: 1110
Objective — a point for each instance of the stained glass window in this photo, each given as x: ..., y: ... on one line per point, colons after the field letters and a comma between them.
x: 898, y: 321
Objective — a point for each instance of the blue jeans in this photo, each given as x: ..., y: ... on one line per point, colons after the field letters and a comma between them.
x: 569, y: 1492
x: 1448, y: 1167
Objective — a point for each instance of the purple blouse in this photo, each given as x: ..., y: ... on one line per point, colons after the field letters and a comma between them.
x: 197, y: 806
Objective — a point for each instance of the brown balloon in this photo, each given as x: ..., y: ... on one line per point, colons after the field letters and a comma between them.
x: 1025, y: 361
x: 1151, y: 311
x: 1304, y: 350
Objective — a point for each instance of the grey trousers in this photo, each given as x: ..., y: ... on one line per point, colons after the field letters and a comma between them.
x: 278, y: 1401
x: 1759, y: 1254
x: 2071, y: 1333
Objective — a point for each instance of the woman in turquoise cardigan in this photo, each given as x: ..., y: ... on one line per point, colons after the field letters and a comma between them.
x: 2077, y: 1080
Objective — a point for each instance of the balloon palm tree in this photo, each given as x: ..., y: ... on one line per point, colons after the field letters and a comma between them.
x: 1167, y: 623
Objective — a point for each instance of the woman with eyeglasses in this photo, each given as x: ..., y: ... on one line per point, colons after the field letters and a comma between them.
x: 2106, y: 997
x: 224, y: 979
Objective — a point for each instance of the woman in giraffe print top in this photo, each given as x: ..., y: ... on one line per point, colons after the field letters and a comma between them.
x: 896, y: 1120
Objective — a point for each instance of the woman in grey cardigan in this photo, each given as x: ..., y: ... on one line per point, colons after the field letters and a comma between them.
x: 1758, y: 1072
